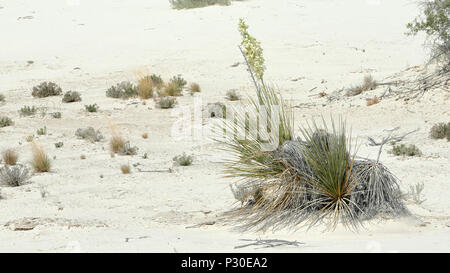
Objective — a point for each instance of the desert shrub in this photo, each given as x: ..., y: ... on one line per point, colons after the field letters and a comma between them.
x: 440, y: 130
x: 297, y: 181
x: 157, y: 80
x: 2, y: 98
x: 178, y: 81
x: 145, y: 135
x: 145, y: 88
x: 41, y: 162
x: 123, y: 90
x: 183, y: 160
x: 368, y: 84
x: 41, y: 131
x: 46, y: 89
x: 127, y: 149
x: 83, y: 157
x: 89, y: 133
x: 232, y: 95
x: 71, y: 96
x: 189, y: 4
x: 194, y: 88
x: 59, y: 144
x: 10, y: 157
x: 28, y: 111
x: 171, y: 89
x: 166, y: 102
x: 56, y: 115
x: 14, y: 176
x: 126, y: 169
x: 435, y: 23
x: 402, y: 149
x: 5, y: 121
x: 91, y: 108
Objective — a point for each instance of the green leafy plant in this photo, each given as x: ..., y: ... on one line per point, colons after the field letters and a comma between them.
x: 5, y: 121
x: 46, y: 89
x: 402, y: 149
x: 435, y: 23
x: 28, y: 111
x: 92, y: 107
x: 184, y: 159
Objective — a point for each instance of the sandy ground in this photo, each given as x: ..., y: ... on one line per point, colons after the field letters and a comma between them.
x: 87, y: 46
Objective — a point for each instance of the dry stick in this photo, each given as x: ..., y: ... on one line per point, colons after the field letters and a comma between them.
x: 387, y: 139
x: 269, y: 243
x: 155, y: 171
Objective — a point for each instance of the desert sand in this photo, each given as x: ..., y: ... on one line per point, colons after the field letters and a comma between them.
x: 309, y: 46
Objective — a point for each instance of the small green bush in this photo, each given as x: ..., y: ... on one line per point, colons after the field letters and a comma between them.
x: 71, y: 96
x: 410, y: 150
x: 157, y: 80
x: 59, y: 144
x: 183, y: 160
x: 92, y: 107
x: 5, y: 121
x: 166, y: 102
x: 46, y: 89
x: 189, y: 4
x: 41, y: 131
x: 440, y: 130
x: 232, y: 95
x: 123, y: 90
x: 56, y: 115
x: 178, y: 81
x: 2, y: 97
x: 28, y: 111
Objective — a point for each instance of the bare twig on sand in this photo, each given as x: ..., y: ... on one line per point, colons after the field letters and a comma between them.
x: 268, y: 243
x: 387, y: 139
x: 209, y: 223
x: 155, y: 171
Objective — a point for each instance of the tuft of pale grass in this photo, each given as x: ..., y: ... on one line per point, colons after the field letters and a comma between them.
x: 194, y: 87
x: 171, y: 89
x: 41, y: 162
x: 368, y: 84
x: 145, y: 88
x: 126, y: 169
x: 10, y: 157
x: 440, y: 130
x: 373, y: 101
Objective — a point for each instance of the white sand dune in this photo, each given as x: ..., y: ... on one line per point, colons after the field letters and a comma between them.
x: 88, y: 46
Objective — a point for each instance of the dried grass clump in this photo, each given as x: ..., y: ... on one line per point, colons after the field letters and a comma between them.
x: 41, y: 162
x: 402, y: 149
x: 10, y: 157
x: 123, y: 90
x: 189, y: 4
x: 5, y: 121
x: 166, y: 102
x: 145, y: 88
x: 194, y: 88
x: 184, y: 159
x: 126, y: 169
x: 14, y: 176
x: 71, y: 96
x: 373, y: 101
x: 171, y: 89
x: 46, y: 89
x: 440, y: 130
x: 368, y: 84
x: 89, y: 133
